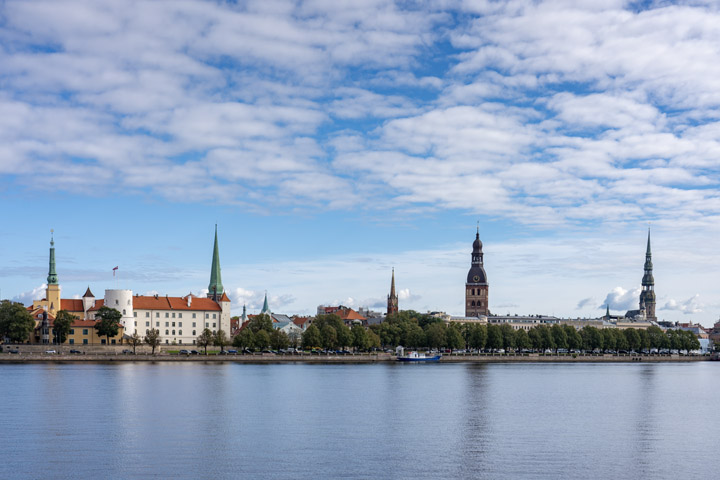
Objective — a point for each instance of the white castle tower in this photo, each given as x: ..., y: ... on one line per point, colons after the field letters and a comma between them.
x: 121, y: 300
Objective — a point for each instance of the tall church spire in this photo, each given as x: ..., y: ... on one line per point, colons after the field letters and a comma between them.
x: 476, y: 285
x: 215, y: 288
x: 647, y: 296
x: 392, y: 302
x: 266, y: 308
x: 52, y: 274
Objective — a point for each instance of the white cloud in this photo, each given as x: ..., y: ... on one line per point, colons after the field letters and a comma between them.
x: 689, y: 306
x: 622, y: 299
x: 26, y: 298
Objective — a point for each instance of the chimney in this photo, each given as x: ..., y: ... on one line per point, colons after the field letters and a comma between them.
x: 189, y: 298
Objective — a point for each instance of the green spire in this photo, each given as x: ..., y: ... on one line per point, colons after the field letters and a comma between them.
x: 215, y: 289
x: 648, y: 253
x: 266, y: 308
x: 52, y: 275
x: 607, y: 312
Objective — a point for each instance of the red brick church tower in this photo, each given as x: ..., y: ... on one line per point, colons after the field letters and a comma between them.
x: 476, y: 286
x: 392, y: 304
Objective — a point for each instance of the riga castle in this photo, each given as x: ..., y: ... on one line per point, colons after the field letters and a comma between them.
x: 179, y: 319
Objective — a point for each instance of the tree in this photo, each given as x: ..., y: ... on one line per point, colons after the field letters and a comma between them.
x: 574, y: 340
x: 415, y: 337
x: 279, y: 339
x: 204, y: 339
x: 135, y: 340
x: 244, y: 339
x: 535, y: 338
x: 261, y: 322
x: 559, y: 337
x: 262, y: 339
x: 592, y: 338
x: 152, y: 338
x: 609, y: 339
x: 632, y: 338
x: 435, y: 334
x: 522, y: 340
x: 311, y: 337
x: 373, y: 340
x: 220, y: 339
x: 328, y: 335
x: 495, y: 337
x: 107, y: 322
x: 360, y: 337
x: 453, y: 338
x: 508, y: 336
x: 478, y: 336
x: 656, y: 337
x: 344, y: 336
x: 621, y: 342
x: 16, y: 323
x: 62, y: 325
x: 547, y: 342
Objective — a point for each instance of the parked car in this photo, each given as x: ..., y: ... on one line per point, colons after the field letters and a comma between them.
x: 232, y: 352
x: 75, y: 351
x: 184, y: 352
x: 50, y: 351
x: 194, y: 352
x: 127, y: 352
x: 14, y: 351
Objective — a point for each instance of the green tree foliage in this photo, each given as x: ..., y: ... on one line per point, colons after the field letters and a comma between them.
x: 547, y: 341
x: 220, y: 339
x: 495, y: 337
x: 574, y: 340
x: 262, y: 339
x: 344, y: 336
x: 62, y: 325
x: 536, y: 339
x: 107, y: 322
x: 328, y: 335
x: 16, y: 323
x: 592, y: 339
x: 522, y: 340
x: 415, y: 337
x: 435, y: 334
x: 135, y: 340
x: 632, y: 338
x: 621, y: 342
x: 508, y: 336
x: 656, y: 337
x: 609, y: 339
x: 478, y: 336
x: 279, y: 340
x: 373, y: 339
x: 204, y: 339
x: 244, y: 339
x: 152, y: 338
x: 360, y: 339
x: 261, y: 322
x: 311, y: 338
x: 559, y: 337
x: 453, y: 337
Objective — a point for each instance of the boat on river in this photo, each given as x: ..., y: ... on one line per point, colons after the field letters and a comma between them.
x: 418, y: 357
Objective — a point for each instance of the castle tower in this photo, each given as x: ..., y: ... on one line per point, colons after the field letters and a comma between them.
x: 215, y: 288
x: 88, y: 301
x: 392, y: 300
x: 122, y: 301
x: 52, y: 293
x: 476, y: 286
x: 647, y: 296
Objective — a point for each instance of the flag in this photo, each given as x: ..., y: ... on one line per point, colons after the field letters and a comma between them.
x: 114, y: 271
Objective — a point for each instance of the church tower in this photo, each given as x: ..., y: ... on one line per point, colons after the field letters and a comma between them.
x: 52, y: 293
x: 476, y: 286
x: 215, y: 288
x: 392, y: 301
x: 647, y: 296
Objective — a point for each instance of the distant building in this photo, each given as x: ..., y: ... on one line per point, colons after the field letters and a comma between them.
x: 392, y: 300
x: 476, y: 286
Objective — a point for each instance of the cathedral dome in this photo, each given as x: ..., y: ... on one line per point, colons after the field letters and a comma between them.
x: 477, y: 275
x: 477, y: 244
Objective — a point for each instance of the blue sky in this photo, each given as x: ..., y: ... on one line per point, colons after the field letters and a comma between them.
x: 333, y: 141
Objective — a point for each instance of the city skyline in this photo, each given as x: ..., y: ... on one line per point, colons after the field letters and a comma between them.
x: 332, y: 142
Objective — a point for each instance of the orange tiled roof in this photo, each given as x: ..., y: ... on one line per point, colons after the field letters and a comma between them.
x: 144, y: 302
x: 71, y: 304
x: 349, y: 314
x: 224, y: 297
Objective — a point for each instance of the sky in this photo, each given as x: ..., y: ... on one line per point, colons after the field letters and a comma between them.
x: 332, y: 141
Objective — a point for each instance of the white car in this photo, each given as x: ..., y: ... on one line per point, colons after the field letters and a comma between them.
x: 50, y: 351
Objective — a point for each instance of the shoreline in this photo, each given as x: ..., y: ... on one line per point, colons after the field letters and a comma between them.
x: 340, y: 359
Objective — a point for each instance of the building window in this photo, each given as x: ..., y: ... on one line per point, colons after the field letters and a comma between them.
x: 179, y: 324
x: 117, y: 302
x: 173, y: 315
x: 167, y: 341
x: 102, y: 341
x: 167, y: 324
x: 85, y: 331
x: 157, y: 314
x: 147, y: 324
x: 194, y: 325
x: 194, y: 333
x: 112, y: 341
x: 213, y: 315
x: 157, y: 324
x: 147, y: 314
x: 180, y: 332
x: 173, y: 324
x: 193, y: 342
x: 72, y: 331
x: 136, y: 323
x: 85, y: 341
x: 193, y: 315
x: 173, y: 332
x: 180, y: 342
x: 213, y: 326
x: 124, y: 312
x: 72, y: 341
x: 179, y: 315
x: 134, y: 314
x: 167, y: 332
x: 167, y: 315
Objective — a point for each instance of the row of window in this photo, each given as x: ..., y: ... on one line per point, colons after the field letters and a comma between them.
x: 167, y: 315
x: 480, y: 291
x: 167, y: 324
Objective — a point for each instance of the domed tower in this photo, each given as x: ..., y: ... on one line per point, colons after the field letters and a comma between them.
x: 476, y: 286
x: 647, y: 296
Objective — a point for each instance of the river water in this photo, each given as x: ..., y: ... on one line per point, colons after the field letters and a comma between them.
x: 176, y: 420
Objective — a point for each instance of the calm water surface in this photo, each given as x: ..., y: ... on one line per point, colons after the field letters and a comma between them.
x: 631, y: 421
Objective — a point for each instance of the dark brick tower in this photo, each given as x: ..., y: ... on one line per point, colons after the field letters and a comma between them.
x: 647, y: 296
x: 476, y: 287
x: 392, y: 306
